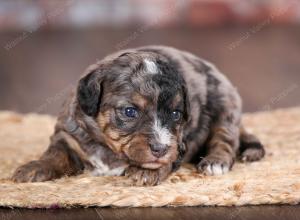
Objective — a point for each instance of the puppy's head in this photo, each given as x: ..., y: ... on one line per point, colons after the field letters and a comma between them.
x: 139, y: 101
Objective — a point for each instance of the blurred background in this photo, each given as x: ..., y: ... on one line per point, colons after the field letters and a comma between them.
x: 46, y: 45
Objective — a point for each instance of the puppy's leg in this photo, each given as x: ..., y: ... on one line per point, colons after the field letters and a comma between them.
x: 222, y: 145
x: 148, y: 177
x: 59, y: 160
x: 251, y: 148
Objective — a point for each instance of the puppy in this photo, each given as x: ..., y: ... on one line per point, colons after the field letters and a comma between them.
x: 141, y: 112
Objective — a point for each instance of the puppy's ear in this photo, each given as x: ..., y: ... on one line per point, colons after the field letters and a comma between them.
x: 89, y: 93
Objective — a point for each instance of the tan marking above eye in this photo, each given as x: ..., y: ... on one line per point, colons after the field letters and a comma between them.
x: 177, y: 99
x: 139, y: 100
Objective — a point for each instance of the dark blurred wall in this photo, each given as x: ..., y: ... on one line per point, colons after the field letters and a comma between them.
x: 38, y: 72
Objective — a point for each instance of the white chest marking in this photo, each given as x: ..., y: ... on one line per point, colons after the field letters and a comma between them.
x: 161, y: 134
x: 102, y: 169
x: 150, y: 66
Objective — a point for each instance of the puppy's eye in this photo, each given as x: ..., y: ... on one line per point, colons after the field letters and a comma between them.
x: 176, y: 115
x: 131, y: 112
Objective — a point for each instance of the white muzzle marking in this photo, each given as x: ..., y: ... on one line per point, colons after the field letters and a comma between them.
x: 162, y: 134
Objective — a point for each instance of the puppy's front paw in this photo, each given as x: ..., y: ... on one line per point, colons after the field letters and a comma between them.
x: 252, y: 154
x: 143, y: 177
x: 211, y: 165
x: 34, y: 171
x: 147, y: 177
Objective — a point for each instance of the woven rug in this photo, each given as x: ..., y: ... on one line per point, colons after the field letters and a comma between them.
x: 273, y: 180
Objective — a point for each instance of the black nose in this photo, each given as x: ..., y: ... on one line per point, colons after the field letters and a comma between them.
x: 158, y: 150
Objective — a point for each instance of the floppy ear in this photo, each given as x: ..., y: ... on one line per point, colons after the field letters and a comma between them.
x: 89, y: 93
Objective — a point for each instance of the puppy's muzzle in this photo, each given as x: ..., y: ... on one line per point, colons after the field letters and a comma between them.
x: 158, y: 150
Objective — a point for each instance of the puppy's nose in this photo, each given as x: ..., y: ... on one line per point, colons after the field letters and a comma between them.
x: 158, y: 150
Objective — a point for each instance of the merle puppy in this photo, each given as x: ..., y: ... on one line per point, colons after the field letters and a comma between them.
x: 142, y: 112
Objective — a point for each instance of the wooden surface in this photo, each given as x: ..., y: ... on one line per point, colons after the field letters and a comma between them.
x: 25, y: 138
x: 183, y: 213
